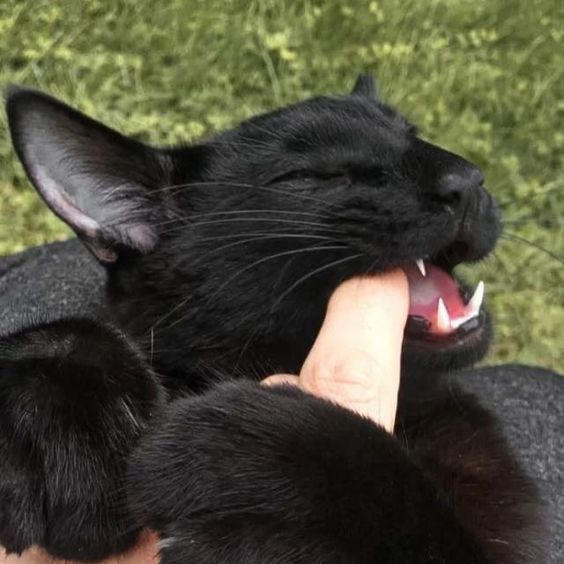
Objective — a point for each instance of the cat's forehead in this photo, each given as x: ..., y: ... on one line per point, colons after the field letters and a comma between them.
x: 338, y: 112
x: 348, y: 128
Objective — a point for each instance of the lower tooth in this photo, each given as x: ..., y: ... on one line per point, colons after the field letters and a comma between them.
x: 475, y: 303
x: 443, y: 318
x: 472, y: 307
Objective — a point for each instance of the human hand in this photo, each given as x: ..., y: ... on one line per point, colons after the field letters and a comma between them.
x: 355, y: 360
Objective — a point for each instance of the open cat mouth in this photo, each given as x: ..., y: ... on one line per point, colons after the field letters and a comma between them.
x: 440, y: 310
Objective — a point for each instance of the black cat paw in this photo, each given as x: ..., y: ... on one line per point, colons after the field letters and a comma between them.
x: 262, y: 475
x: 74, y: 398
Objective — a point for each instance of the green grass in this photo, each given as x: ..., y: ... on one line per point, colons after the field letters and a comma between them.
x: 484, y: 78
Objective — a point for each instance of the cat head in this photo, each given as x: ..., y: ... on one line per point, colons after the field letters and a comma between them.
x: 227, y: 250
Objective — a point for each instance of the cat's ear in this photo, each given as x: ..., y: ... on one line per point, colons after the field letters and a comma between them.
x: 365, y: 85
x: 95, y: 179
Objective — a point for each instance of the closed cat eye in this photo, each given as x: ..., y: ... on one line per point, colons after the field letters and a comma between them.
x: 304, y: 174
x: 369, y: 174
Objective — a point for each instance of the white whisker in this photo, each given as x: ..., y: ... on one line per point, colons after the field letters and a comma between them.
x: 241, y: 271
x: 310, y: 275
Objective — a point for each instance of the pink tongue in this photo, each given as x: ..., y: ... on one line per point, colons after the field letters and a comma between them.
x: 425, y: 291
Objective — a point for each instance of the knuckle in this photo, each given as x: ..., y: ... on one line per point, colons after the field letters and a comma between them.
x: 357, y: 379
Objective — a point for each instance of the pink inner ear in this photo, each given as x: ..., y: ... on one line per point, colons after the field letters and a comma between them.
x: 129, y: 232
x: 63, y: 208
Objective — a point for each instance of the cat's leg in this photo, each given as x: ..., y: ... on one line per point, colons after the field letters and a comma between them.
x: 257, y: 475
x: 74, y: 399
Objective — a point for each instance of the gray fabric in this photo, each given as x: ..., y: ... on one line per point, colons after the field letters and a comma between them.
x: 62, y: 279
x: 49, y: 282
x: 529, y: 402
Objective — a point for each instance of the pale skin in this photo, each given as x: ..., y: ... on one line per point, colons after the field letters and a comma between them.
x: 355, y: 361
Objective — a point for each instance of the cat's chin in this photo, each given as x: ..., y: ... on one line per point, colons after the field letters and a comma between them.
x: 460, y: 349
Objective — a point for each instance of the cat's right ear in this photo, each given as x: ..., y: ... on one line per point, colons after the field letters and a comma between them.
x: 365, y: 85
x: 98, y: 181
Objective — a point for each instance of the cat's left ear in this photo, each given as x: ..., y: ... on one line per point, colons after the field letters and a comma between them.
x: 365, y: 85
x: 101, y: 183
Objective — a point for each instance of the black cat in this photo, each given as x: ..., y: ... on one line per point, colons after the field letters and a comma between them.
x: 221, y: 257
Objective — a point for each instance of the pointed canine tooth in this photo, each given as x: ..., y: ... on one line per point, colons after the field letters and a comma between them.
x: 476, y: 300
x: 421, y: 266
x: 443, y: 318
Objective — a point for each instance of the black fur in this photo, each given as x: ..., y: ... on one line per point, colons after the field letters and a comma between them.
x: 221, y: 257
x: 74, y: 399
x: 281, y: 476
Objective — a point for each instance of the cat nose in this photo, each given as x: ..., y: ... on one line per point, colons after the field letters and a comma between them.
x: 445, y: 176
x: 458, y: 184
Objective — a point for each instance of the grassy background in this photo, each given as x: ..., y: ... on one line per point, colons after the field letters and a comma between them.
x: 484, y: 78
